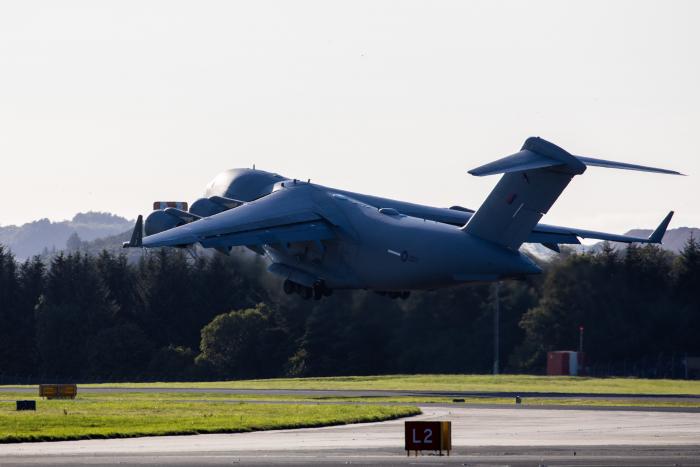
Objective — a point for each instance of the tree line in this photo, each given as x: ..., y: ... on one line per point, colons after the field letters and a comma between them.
x: 169, y: 316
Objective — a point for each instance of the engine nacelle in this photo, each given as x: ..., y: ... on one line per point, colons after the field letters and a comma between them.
x: 160, y: 221
x: 204, y: 207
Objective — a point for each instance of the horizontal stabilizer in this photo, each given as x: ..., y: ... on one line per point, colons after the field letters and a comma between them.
x: 624, y: 166
x: 518, y: 162
x: 538, y: 153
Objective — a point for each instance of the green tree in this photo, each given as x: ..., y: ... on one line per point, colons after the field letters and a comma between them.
x: 446, y: 331
x: 12, y: 330
x: 170, y: 305
x: 623, y: 301
x: 120, y: 352
x: 686, y: 285
x: 31, y: 286
x: 218, y: 286
x: 75, y: 306
x: 123, y: 284
x: 243, y: 344
x: 172, y: 363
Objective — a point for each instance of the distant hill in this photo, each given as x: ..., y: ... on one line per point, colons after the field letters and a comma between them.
x: 43, y: 236
x: 674, y: 240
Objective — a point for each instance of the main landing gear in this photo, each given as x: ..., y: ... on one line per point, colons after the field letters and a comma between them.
x: 318, y: 290
x: 403, y: 295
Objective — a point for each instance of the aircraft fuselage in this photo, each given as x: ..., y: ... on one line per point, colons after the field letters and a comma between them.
x: 383, y: 249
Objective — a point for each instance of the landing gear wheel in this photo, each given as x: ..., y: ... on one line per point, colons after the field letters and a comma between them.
x: 288, y: 287
x: 318, y: 292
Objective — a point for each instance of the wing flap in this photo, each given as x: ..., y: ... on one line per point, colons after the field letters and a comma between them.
x: 308, y: 231
x: 537, y: 236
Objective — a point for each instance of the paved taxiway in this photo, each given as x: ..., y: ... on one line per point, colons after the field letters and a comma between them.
x: 480, y: 436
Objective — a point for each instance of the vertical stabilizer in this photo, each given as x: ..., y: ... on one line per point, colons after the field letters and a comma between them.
x: 533, y: 180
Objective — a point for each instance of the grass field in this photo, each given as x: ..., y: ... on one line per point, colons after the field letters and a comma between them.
x: 126, y: 414
x: 233, y: 398
x: 481, y: 383
x: 118, y: 417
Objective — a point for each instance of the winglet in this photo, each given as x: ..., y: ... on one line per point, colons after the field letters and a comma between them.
x: 658, y: 234
x: 136, y: 236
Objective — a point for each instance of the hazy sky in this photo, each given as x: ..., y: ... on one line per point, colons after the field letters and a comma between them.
x: 112, y: 105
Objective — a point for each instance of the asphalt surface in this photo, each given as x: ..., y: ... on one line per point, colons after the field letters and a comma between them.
x: 503, y: 436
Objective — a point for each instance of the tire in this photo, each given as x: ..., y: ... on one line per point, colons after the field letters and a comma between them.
x: 307, y: 293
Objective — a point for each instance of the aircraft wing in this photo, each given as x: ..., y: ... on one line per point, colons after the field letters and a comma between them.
x: 544, y: 233
x: 286, y: 215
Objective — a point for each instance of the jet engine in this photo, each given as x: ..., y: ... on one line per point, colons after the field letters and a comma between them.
x: 205, y: 207
x: 160, y: 221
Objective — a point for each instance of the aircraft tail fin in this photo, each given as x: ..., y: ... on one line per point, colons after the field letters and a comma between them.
x: 533, y: 180
x: 136, y: 240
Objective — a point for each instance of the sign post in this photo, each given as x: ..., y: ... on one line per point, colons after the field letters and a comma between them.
x: 428, y: 436
x: 580, y: 338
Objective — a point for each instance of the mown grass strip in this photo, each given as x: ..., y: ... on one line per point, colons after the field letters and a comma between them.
x: 207, y: 397
x: 85, y: 419
x: 478, y: 383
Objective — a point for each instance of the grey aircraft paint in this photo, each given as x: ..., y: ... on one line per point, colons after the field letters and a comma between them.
x: 319, y: 238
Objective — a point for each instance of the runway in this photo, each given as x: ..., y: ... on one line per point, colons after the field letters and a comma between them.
x: 489, y: 436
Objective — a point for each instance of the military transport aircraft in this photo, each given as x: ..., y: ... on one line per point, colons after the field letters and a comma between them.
x: 319, y: 238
